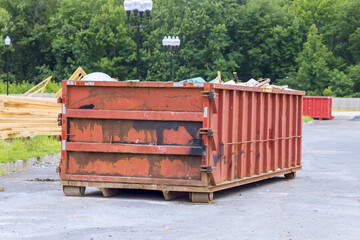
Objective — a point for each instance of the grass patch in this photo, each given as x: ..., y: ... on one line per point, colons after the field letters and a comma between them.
x: 25, y: 148
x: 307, y: 119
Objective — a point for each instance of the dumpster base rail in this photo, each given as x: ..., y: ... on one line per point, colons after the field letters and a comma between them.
x: 202, y: 194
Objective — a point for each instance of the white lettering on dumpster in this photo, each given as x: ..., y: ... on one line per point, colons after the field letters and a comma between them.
x: 63, y: 145
x: 205, y: 112
x: 63, y: 109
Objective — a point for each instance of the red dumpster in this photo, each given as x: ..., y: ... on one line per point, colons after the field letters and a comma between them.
x: 318, y: 107
x: 194, y: 138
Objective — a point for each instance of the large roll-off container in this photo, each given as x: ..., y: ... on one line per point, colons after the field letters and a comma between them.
x: 195, y: 138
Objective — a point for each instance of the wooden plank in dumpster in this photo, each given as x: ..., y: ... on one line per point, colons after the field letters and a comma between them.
x: 195, y: 138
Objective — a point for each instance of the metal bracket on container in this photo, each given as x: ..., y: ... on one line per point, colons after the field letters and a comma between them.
x: 207, y: 169
x: 207, y: 131
x: 212, y: 96
x: 212, y: 138
x: 209, y: 94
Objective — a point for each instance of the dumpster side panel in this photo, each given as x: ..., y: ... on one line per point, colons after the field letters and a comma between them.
x: 255, y: 133
x: 318, y: 107
x: 186, y: 137
x: 116, y: 133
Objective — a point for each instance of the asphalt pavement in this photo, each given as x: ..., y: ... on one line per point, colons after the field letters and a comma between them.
x: 323, y: 202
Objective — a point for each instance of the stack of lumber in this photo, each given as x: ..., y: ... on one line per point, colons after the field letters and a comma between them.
x: 24, y: 116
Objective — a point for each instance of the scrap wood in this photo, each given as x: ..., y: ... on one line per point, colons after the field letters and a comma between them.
x: 2, y: 189
x: 77, y: 76
x: 42, y: 89
x: 264, y: 82
x: 260, y: 83
x: 280, y: 87
x: 236, y: 79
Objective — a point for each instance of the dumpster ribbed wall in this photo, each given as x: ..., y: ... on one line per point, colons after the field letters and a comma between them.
x: 257, y: 133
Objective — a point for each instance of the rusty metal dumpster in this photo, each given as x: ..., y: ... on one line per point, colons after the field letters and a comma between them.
x: 318, y: 107
x: 195, y: 138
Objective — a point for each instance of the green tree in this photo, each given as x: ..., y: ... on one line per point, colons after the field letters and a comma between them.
x: 341, y: 85
x: 314, y: 64
x: 342, y: 35
x: 205, y: 43
x: 318, y: 12
x: 96, y: 38
x: 270, y: 36
x: 353, y: 73
x: 28, y: 29
x: 5, y: 19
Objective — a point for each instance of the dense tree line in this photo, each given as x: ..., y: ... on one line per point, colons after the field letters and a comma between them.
x: 312, y: 45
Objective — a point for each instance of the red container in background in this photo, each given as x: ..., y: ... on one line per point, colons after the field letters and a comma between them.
x: 318, y: 107
x: 195, y: 138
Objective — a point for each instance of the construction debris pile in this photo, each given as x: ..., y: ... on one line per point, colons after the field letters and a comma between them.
x: 260, y: 83
x: 24, y: 116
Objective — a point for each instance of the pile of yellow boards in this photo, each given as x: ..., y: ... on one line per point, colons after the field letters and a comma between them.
x: 28, y: 116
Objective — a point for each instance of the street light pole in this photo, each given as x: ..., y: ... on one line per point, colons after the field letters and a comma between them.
x: 171, y: 47
x: 7, y: 44
x: 138, y: 7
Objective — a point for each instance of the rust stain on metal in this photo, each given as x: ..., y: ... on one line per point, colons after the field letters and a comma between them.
x: 175, y: 169
x: 135, y: 132
x: 133, y: 165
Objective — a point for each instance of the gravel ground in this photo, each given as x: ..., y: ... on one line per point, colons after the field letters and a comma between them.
x: 323, y: 202
x: 38, y: 164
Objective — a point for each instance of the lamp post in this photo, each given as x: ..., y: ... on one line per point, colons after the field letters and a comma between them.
x: 138, y: 7
x: 7, y: 44
x: 171, y: 46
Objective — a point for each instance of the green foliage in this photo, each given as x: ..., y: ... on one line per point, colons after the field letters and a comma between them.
x: 353, y: 73
x: 313, y: 74
x: 23, y: 149
x: 341, y: 84
x: 342, y: 34
x: 206, y: 45
x: 318, y: 12
x: 22, y: 87
x: 307, y: 119
x: 269, y: 36
x: 92, y: 34
x: 309, y: 45
x: 328, y: 92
